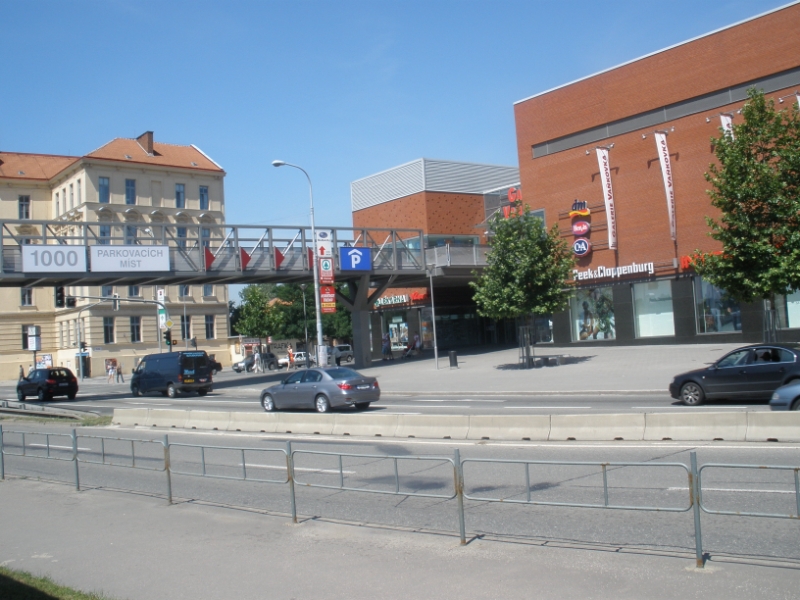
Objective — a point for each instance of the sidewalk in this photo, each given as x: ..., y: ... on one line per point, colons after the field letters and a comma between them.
x: 135, y: 546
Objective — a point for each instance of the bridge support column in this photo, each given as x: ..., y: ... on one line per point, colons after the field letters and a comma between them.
x: 359, y: 304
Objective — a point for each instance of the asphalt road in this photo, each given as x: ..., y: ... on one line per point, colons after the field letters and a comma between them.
x: 648, y: 485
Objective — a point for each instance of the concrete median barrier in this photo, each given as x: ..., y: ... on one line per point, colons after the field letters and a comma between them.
x: 365, y: 424
x: 453, y: 427
x: 208, y: 419
x: 129, y: 417
x: 596, y: 427
x: 773, y: 426
x: 304, y: 423
x: 162, y: 417
x: 509, y: 427
x: 696, y: 426
x: 253, y: 421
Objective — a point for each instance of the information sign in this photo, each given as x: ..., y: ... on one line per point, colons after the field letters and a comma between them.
x: 37, y: 258
x: 129, y: 258
x: 326, y: 271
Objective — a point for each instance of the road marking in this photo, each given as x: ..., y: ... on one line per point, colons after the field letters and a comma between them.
x: 149, y: 403
x: 453, y: 400
x: 734, y: 490
x: 551, y: 407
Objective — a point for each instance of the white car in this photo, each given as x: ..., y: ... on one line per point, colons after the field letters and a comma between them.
x: 299, y: 360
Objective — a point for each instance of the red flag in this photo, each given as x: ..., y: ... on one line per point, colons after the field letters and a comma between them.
x: 209, y: 258
x: 278, y: 258
x: 245, y: 258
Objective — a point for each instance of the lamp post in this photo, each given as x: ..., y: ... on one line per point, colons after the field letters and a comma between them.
x: 305, y: 323
x: 280, y: 163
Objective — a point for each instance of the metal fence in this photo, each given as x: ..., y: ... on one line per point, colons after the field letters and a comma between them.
x: 38, y: 445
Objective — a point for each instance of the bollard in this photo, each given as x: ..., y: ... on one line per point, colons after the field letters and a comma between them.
x: 75, y: 460
x: 2, y: 464
x: 167, y: 468
x: 694, y: 493
x: 290, y: 477
x: 453, y: 359
x: 458, y: 476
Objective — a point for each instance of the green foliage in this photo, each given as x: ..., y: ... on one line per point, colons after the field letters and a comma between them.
x: 21, y: 585
x: 755, y: 187
x: 527, y: 270
x: 252, y: 318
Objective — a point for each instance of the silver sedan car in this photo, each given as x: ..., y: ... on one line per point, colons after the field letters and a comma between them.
x: 786, y: 397
x: 322, y: 389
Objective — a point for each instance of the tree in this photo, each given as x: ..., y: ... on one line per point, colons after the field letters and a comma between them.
x: 755, y: 187
x: 286, y: 317
x: 527, y: 269
x: 252, y: 319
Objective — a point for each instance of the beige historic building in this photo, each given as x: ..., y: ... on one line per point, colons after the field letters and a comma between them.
x: 127, y: 189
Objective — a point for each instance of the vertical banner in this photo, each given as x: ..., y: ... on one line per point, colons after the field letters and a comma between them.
x: 666, y: 172
x: 608, y: 196
x: 797, y: 95
x: 727, y: 124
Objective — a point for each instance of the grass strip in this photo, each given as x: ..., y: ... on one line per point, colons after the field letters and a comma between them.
x: 21, y: 585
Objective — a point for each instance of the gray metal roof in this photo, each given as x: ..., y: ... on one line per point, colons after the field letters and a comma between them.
x: 429, y: 175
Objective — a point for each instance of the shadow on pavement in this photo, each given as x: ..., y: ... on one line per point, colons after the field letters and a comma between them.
x: 571, y: 360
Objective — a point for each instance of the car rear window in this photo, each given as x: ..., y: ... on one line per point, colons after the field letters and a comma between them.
x: 192, y: 361
x: 342, y: 373
x: 59, y: 374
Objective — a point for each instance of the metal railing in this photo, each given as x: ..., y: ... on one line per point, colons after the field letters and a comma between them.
x: 51, y: 451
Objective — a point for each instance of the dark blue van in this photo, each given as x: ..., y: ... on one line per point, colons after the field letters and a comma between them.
x: 172, y: 373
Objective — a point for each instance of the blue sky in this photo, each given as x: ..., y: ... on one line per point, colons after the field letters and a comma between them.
x: 343, y: 88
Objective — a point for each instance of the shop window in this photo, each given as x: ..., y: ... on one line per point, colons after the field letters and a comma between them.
x: 592, y: 312
x: 716, y: 311
x: 788, y: 309
x: 652, y: 309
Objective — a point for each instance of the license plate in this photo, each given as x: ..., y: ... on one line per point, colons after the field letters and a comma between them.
x: 63, y: 384
x: 364, y: 386
x: 188, y: 381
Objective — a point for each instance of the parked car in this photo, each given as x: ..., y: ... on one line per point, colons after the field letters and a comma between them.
x: 214, y: 365
x: 347, y: 352
x: 249, y: 364
x: 172, y: 373
x: 322, y: 389
x: 299, y: 360
x: 786, y: 397
x: 752, y: 373
x: 47, y: 383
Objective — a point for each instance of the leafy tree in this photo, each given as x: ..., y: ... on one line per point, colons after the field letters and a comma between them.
x: 527, y: 269
x: 252, y: 319
x: 286, y: 318
x: 755, y: 187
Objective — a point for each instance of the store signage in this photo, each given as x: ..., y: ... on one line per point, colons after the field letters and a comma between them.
x: 580, y: 208
x: 48, y: 259
x: 514, y: 195
x: 129, y: 258
x: 389, y: 300
x: 324, y: 246
x: 608, y: 195
x: 612, y: 272
x: 327, y: 299
x: 355, y: 259
x: 581, y: 228
x: 419, y: 296
x: 666, y: 172
x: 581, y: 247
x: 326, y: 271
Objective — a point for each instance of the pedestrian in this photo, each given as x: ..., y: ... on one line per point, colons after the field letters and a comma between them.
x: 417, y: 344
x: 110, y: 372
x: 290, y: 354
x: 386, y: 347
x: 30, y: 370
x: 257, y: 361
x: 21, y: 372
x: 337, y: 356
x: 120, y: 376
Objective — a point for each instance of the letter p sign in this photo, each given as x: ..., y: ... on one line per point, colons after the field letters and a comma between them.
x: 356, y: 259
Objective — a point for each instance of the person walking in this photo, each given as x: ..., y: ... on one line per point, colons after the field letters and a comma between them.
x: 120, y: 376
x: 257, y: 361
x: 290, y: 354
x: 21, y: 373
x: 417, y: 344
x: 110, y: 372
x: 386, y: 347
x: 337, y: 356
x: 30, y: 370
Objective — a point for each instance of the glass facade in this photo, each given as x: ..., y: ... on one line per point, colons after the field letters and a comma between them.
x: 652, y: 309
x: 592, y: 314
x: 788, y: 308
x: 716, y: 311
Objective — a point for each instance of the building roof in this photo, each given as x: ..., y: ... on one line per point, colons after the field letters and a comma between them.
x: 42, y: 167
x: 164, y: 155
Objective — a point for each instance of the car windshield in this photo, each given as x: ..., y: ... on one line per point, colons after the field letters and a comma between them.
x: 343, y: 373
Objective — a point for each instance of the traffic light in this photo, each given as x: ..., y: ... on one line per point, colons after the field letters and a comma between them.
x: 115, y: 302
x: 83, y: 346
x: 60, y: 297
x: 168, y: 337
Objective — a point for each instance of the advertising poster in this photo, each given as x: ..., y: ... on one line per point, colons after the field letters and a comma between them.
x: 44, y: 361
x: 593, y: 314
x: 426, y: 327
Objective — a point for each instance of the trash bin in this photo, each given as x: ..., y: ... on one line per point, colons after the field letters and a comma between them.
x: 453, y: 359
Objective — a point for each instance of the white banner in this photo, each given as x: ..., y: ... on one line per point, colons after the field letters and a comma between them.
x: 608, y: 196
x: 129, y: 258
x: 666, y: 172
x: 37, y: 258
x: 727, y: 124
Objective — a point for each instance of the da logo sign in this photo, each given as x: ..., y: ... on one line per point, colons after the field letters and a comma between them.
x: 581, y: 247
x: 580, y: 208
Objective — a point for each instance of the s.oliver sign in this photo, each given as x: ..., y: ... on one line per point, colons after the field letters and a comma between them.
x: 129, y: 258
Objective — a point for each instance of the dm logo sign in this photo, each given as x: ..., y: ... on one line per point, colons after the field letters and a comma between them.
x: 580, y: 228
x: 581, y: 247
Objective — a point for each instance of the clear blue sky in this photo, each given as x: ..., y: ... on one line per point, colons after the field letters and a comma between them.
x: 343, y: 88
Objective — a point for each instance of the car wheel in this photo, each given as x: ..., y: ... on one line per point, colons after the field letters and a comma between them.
x: 172, y: 391
x: 796, y: 405
x: 20, y: 396
x: 202, y: 392
x: 268, y: 403
x: 692, y: 394
x: 135, y: 390
x: 271, y: 366
x: 322, y: 404
x: 71, y: 395
x: 42, y: 395
x: 362, y: 405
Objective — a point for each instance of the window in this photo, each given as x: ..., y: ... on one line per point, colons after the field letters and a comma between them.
x: 136, y: 329
x: 134, y: 291
x: 186, y: 327
x: 652, y: 309
x: 71, y: 195
x: 80, y: 191
x: 105, y: 190
x: 58, y: 205
x: 208, y: 289
x: 735, y: 359
x: 180, y: 233
x: 203, y: 197
x: 131, y: 232
x: 184, y: 291
x: 26, y: 297
x: 180, y: 195
x: 715, y: 310
x: 25, y: 336
x: 130, y: 191
x: 61, y: 335
x: 108, y: 330
x: 107, y: 291
x: 205, y: 237
x: 105, y: 235
x: 24, y: 203
x: 209, y: 327
x: 592, y: 312
x: 788, y: 309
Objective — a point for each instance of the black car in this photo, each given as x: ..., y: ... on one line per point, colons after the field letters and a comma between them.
x: 47, y: 383
x: 751, y: 373
x: 172, y: 373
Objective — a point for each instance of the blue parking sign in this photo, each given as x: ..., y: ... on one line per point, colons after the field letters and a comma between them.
x: 355, y: 259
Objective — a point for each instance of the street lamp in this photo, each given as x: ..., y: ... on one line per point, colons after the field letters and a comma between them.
x: 280, y: 163
x: 305, y: 322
